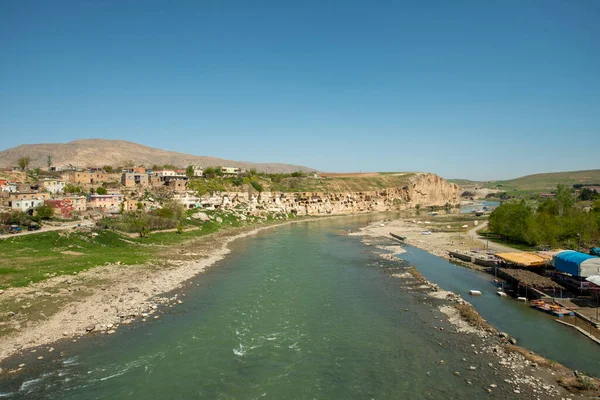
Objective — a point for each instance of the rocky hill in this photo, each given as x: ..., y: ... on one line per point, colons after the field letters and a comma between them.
x: 100, y: 152
x: 423, y: 189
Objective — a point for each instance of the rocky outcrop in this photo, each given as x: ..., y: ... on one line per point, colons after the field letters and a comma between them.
x: 423, y: 189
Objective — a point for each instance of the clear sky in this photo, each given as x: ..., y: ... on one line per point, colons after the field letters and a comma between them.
x: 470, y: 89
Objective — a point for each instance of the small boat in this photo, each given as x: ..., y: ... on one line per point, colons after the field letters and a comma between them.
x: 501, y: 293
x: 475, y: 292
x: 402, y: 238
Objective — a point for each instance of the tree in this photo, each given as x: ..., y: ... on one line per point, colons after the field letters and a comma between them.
x: 257, y: 185
x: 70, y: 188
x: 189, y: 172
x: 588, y: 194
x: 49, y: 161
x: 548, y: 206
x: 24, y: 162
x: 564, y: 199
x: 512, y: 220
x: 44, y: 212
x: 210, y: 172
x: 139, y: 222
x: 171, y: 209
x: 101, y: 190
x: 108, y: 169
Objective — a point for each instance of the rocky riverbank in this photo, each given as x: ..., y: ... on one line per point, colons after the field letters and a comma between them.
x: 523, y: 372
x: 101, y: 299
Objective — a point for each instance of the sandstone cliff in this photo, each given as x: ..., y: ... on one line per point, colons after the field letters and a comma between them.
x: 422, y: 189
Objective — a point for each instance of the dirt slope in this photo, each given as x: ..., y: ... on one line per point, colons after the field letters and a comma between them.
x: 100, y: 152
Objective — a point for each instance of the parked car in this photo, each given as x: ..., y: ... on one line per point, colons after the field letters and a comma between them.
x: 33, y: 227
x: 14, y: 229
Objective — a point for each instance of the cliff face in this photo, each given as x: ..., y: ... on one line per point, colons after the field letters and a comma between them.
x: 422, y: 189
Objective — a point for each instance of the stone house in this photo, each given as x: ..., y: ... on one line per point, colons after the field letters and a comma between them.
x: 95, y: 177
x: 178, y: 185
x: 105, y: 202
x: 133, y: 179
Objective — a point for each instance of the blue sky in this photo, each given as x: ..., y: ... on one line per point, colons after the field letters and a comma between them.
x: 471, y: 89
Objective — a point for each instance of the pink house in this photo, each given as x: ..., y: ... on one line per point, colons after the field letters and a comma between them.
x: 105, y: 202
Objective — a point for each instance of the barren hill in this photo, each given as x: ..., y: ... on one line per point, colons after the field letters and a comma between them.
x: 100, y: 152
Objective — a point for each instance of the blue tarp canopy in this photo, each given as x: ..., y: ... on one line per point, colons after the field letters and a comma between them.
x: 570, y: 261
x: 595, y: 251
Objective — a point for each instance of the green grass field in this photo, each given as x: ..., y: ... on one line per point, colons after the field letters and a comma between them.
x: 32, y: 258
x: 536, y: 183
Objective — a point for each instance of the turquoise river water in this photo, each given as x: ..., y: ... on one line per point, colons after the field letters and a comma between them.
x: 301, y: 312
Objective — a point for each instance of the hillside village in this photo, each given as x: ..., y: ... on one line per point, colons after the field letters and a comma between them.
x: 30, y: 198
x: 73, y: 193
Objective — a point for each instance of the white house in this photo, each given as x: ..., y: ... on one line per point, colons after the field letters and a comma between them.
x: 198, y: 171
x: 26, y: 205
x: 188, y: 200
x: 10, y: 188
x: 54, y: 186
x: 167, y: 172
x: 231, y: 170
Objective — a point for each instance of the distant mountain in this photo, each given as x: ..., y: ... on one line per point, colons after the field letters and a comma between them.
x: 100, y: 152
x: 537, y: 182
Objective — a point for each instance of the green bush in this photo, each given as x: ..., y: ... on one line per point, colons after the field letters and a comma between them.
x: 257, y: 185
x: 70, y: 188
x: 555, y: 222
x: 44, y: 212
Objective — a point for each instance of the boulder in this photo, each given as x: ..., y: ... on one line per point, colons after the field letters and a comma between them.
x: 201, y: 216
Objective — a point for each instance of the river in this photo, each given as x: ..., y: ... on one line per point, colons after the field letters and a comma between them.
x: 301, y: 311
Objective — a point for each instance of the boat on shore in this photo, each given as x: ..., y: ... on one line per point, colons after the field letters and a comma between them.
x: 401, y: 238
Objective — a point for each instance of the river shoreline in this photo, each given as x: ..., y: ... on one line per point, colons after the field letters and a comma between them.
x: 120, y: 297
x: 101, y: 299
x: 528, y: 369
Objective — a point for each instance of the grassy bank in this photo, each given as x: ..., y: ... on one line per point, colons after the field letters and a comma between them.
x: 33, y: 258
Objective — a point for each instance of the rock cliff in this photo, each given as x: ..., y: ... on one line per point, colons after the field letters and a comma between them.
x: 422, y: 189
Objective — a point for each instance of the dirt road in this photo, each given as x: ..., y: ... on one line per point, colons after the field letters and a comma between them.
x: 48, y: 229
x: 486, y: 243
